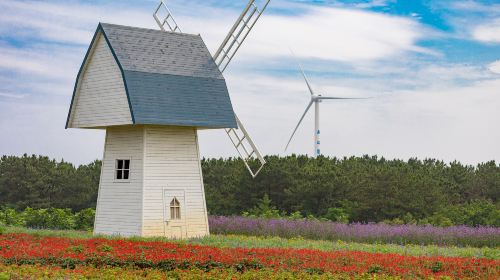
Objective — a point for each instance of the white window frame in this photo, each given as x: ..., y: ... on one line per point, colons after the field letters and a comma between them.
x: 115, y: 171
x: 168, y: 195
x: 175, y: 209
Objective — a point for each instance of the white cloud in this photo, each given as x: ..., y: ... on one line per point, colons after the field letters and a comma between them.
x: 12, y: 95
x: 336, y: 34
x: 326, y: 33
x: 495, y: 67
x: 340, y: 34
x: 487, y: 32
x: 472, y: 6
x: 72, y: 23
x: 39, y: 129
x: 371, y: 4
x: 46, y: 61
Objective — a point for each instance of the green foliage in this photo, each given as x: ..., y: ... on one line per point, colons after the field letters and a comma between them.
x: 438, y: 220
x: 49, y: 218
x: 52, y: 218
x: 2, y: 229
x: 104, y: 248
x: 473, y: 213
x: 296, y: 216
x: 337, y: 215
x: 11, y: 217
x: 374, y: 269
x: 84, y: 219
x: 264, y: 209
x: 360, y: 189
x: 436, y: 267
x: 38, y: 182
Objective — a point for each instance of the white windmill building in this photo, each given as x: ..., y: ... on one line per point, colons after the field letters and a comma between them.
x: 151, y: 91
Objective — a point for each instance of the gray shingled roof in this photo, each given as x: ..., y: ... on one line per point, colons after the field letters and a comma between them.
x: 171, y: 78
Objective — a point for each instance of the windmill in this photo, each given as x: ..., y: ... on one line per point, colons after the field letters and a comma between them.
x: 152, y: 90
x: 316, y: 99
x: 239, y: 137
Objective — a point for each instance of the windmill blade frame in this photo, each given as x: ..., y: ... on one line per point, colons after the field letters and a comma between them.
x: 300, y: 121
x: 238, y: 33
x: 168, y: 20
x: 240, y: 138
x: 246, y: 148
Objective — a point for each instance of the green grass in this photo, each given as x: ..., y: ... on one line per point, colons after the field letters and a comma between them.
x: 233, y: 241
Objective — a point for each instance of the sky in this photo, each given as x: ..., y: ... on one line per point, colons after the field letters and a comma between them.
x: 432, y: 68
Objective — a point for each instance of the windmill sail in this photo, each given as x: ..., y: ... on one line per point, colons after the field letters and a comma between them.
x: 165, y: 19
x: 239, y: 137
x: 238, y: 33
x: 246, y: 148
x: 229, y: 47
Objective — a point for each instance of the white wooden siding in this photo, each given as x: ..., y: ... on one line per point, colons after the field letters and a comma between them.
x: 119, y: 203
x: 162, y: 158
x: 100, y: 98
x: 172, y: 162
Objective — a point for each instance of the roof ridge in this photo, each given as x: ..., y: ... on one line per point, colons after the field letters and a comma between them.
x: 150, y: 29
x: 175, y: 75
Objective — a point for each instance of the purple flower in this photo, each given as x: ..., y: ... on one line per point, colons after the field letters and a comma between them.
x: 357, y: 232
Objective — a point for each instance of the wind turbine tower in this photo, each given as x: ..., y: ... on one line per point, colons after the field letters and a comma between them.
x: 316, y: 99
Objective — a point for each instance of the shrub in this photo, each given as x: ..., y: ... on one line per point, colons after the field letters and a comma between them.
x: 10, y: 217
x: 264, y: 209
x: 439, y: 220
x: 474, y: 213
x: 84, y: 219
x: 337, y: 215
x: 2, y: 229
x: 296, y: 216
x: 61, y: 219
x: 36, y: 218
x: 49, y: 218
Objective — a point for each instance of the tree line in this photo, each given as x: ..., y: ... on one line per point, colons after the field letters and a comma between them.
x: 355, y: 189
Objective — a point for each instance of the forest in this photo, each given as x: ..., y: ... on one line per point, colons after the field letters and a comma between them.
x: 355, y: 189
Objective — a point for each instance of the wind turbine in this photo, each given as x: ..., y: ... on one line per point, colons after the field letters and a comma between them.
x: 316, y: 99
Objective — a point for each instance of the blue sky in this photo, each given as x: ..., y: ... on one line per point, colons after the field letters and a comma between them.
x: 432, y: 66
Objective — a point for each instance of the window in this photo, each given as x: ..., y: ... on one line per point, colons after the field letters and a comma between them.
x: 122, y: 169
x: 175, y: 209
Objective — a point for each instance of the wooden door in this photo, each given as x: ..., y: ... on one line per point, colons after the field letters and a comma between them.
x: 175, y: 214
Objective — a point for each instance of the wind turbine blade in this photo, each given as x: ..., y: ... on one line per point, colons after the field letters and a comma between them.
x: 305, y: 78
x: 341, y: 98
x: 303, y: 73
x: 300, y: 121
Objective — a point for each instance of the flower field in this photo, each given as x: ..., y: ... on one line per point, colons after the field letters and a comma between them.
x: 67, y: 253
x: 356, y: 232
x: 246, y: 241
x: 88, y: 272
